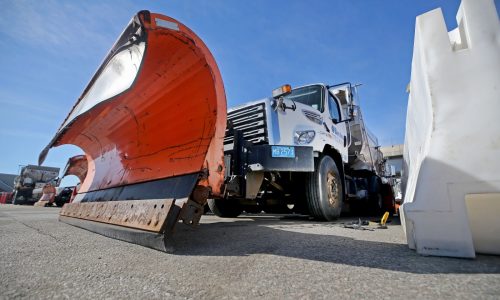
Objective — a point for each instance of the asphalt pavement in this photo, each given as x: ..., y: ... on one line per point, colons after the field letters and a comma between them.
x: 253, y: 256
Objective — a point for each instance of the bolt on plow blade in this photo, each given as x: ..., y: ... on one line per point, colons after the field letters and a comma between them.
x: 151, y: 123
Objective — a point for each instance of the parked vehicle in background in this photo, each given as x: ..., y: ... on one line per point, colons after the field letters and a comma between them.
x: 63, y: 195
x: 33, y: 178
x: 393, y: 156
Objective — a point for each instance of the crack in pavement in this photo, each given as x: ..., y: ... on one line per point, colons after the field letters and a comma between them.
x: 39, y: 231
x: 3, y: 215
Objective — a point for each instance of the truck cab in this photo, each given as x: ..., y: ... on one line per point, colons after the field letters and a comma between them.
x: 309, y: 115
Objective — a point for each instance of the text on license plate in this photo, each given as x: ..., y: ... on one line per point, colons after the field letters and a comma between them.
x: 283, y: 151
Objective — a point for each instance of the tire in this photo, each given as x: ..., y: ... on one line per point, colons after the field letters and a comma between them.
x: 324, y: 190
x: 225, y: 208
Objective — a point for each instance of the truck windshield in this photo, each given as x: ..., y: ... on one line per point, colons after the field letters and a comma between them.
x: 309, y: 95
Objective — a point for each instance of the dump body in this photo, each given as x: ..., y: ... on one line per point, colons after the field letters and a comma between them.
x: 38, y: 174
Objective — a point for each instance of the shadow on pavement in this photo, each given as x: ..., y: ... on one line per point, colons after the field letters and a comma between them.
x: 254, y: 235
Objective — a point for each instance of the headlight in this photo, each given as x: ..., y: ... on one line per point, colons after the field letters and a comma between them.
x: 304, y: 137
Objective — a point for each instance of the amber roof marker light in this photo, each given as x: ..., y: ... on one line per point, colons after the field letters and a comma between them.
x: 282, y: 91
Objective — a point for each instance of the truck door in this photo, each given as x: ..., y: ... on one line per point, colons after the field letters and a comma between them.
x: 338, y: 128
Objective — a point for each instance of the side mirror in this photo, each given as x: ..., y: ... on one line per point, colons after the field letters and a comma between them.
x: 335, y: 121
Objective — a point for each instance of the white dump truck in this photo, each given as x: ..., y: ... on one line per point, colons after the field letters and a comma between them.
x: 306, y: 148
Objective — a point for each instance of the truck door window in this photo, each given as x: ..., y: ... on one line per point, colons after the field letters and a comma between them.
x: 309, y: 95
x: 334, y: 108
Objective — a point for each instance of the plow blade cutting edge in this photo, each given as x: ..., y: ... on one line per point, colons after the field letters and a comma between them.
x: 151, y: 123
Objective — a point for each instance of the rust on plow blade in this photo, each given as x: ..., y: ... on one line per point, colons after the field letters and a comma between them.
x: 146, y: 215
x: 151, y: 123
x: 122, y: 219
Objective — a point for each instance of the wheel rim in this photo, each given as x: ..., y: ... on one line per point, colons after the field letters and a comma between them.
x: 333, y: 189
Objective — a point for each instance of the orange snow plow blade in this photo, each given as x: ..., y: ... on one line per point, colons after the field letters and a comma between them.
x: 77, y: 166
x: 151, y: 123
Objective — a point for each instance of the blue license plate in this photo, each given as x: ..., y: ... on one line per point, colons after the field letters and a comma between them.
x: 283, y: 151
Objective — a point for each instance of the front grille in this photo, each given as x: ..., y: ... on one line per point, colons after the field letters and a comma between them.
x: 251, y: 120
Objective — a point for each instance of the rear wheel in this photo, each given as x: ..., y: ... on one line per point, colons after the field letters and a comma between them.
x: 225, y: 208
x: 324, y: 191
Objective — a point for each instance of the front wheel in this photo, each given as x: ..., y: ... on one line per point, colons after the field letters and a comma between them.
x: 324, y: 191
x: 225, y: 208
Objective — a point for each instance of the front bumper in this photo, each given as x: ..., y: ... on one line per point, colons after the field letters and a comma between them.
x: 259, y: 158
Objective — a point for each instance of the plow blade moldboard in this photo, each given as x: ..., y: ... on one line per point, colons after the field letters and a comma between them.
x: 151, y: 123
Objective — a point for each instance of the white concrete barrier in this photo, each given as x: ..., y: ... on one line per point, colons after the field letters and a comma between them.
x: 452, y: 144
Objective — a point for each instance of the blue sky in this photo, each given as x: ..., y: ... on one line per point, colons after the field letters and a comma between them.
x: 50, y: 49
